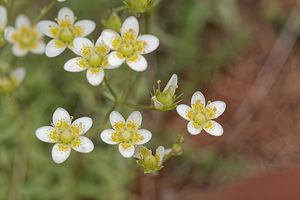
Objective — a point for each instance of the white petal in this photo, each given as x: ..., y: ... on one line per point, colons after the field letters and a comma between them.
x: 138, y: 153
x: 136, y: 118
x: 85, y: 145
x: 147, y: 135
x: 95, y: 76
x: 172, y: 84
x: 160, y: 151
x: 59, y: 155
x: 18, y: 74
x: 21, y: 21
x: 106, y: 136
x: 83, y: 123
x: 167, y: 151
x: 220, y: 107
x: 192, y: 129
x: 87, y: 26
x: 151, y: 43
x: 108, y: 36
x: 116, y: 117
x: 183, y: 110
x: 74, y: 65
x: 53, y: 49
x: 213, y: 128
x: 8, y: 33
x: 72, y: 48
x: 130, y: 24
x: 65, y: 14
x: 156, y: 103
x: 43, y: 134
x: 80, y: 43
x: 39, y: 49
x: 46, y: 26
x: 197, y: 97
x: 126, y: 152
x: 139, y: 64
x: 114, y: 60
x: 17, y: 51
x: 60, y: 115
x: 3, y: 18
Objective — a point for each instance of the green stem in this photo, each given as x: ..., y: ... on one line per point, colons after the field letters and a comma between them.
x: 10, y: 11
x: 146, y: 107
x: 110, y: 88
x: 44, y: 12
x: 119, y: 8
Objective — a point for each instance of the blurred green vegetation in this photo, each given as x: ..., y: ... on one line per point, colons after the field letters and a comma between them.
x: 198, y: 38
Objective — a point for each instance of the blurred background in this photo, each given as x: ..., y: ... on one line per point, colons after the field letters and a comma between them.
x: 244, y: 52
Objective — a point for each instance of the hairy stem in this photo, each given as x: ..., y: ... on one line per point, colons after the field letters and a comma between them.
x: 44, y: 11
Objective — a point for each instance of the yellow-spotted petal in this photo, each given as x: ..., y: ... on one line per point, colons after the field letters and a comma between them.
x: 111, y: 39
x: 44, y: 134
x: 38, y: 48
x: 116, y: 119
x: 137, y: 63
x: 54, y: 48
x: 135, y: 118
x: 82, y: 124
x: 9, y: 34
x: 95, y: 76
x: 65, y: 17
x: 198, y: 98
x: 115, y: 59
x: 84, y: 27
x: 83, y: 45
x: 83, y: 145
x: 126, y: 150
x: 75, y: 65
x: 218, y: 108
x: 48, y: 28
x: 22, y: 21
x: 60, y: 117
x: 183, y: 110
x: 19, y: 50
x: 60, y: 153
x: 160, y: 152
x: 145, y: 136
x: 213, y: 128
x: 130, y: 28
x: 150, y: 43
x: 107, y: 136
x: 172, y: 84
x: 193, y: 128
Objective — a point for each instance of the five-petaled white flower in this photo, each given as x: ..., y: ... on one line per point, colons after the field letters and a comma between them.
x: 66, y: 135
x: 129, y: 46
x: 200, y: 116
x: 3, y: 18
x: 64, y: 32
x: 126, y: 134
x: 25, y: 37
x: 93, y: 58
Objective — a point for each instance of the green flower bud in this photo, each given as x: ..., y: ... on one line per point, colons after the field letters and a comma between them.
x: 166, y: 99
x: 177, y: 149
x: 113, y: 22
x: 138, y: 6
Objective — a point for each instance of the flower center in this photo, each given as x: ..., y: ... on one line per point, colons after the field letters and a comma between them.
x: 165, y: 98
x: 67, y: 135
x: 127, y: 49
x: 125, y: 136
x: 26, y: 39
x: 150, y: 162
x: 199, y: 118
x: 66, y: 35
x: 95, y: 59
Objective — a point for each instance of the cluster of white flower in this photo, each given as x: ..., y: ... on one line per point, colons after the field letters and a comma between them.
x: 110, y: 51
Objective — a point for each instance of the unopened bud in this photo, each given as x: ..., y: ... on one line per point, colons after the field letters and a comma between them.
x: 138, y: 6
x: 113, y: 22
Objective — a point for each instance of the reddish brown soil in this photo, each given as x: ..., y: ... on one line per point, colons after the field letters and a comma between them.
x: 269, y: 140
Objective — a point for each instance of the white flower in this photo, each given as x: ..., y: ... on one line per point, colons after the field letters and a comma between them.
x: 3, y: 18
x: 25, y: 37
x: 92, y: 57
x: 61, y: 0
x: 129, y: 47
x: 10, y: 83
x: 166, y: 100
x: 66, y: 135
x: 126, y: 134
x: 64, y: 31
x: 200, y: 116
